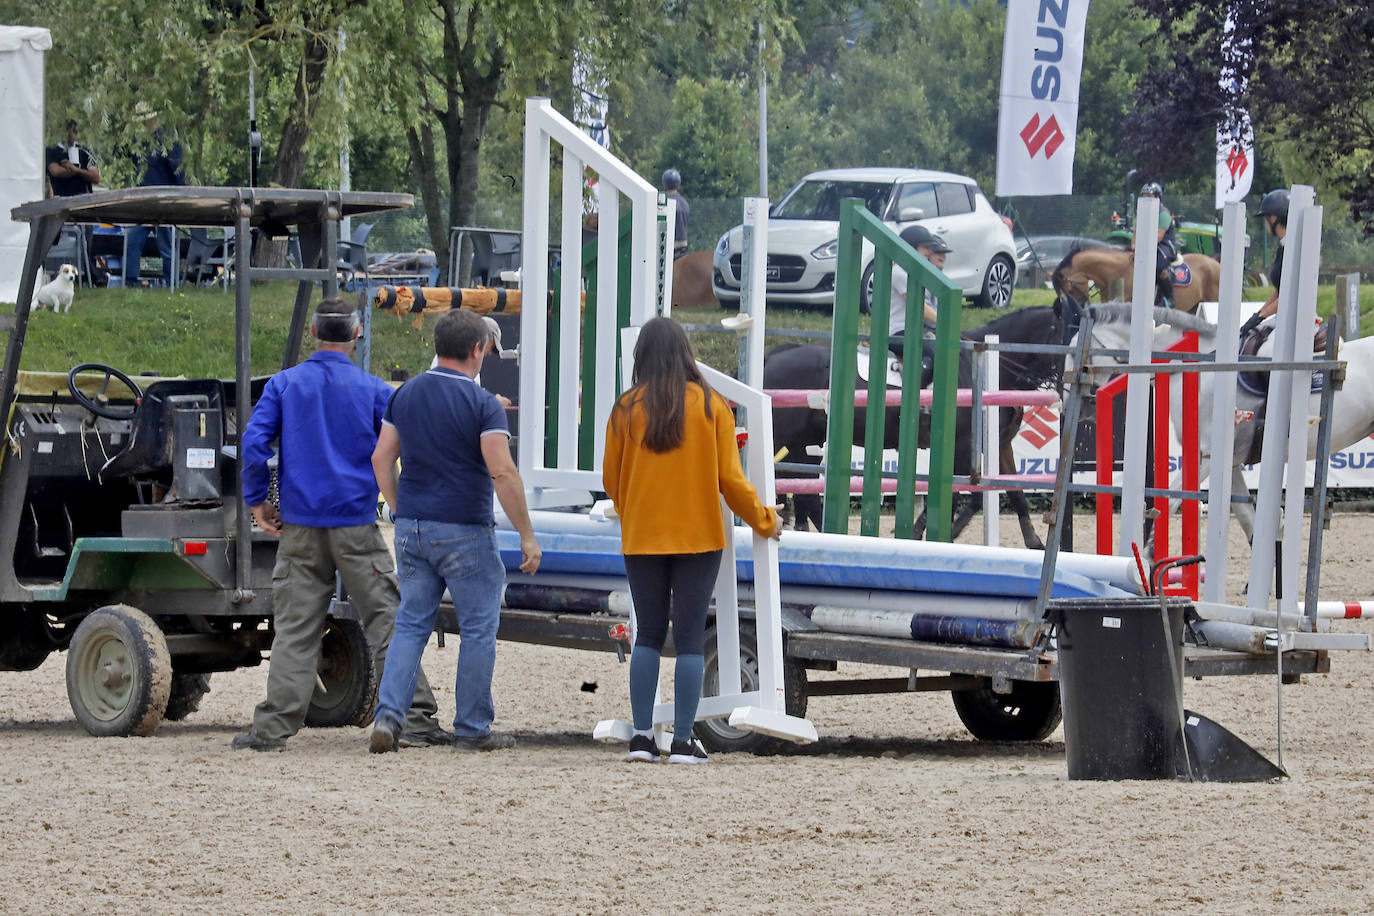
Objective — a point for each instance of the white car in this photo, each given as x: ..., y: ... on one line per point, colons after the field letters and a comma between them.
x: 803, y: 236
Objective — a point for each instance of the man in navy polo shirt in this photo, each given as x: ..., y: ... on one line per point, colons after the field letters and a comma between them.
x: 326, y: 412
x: 453, y: 443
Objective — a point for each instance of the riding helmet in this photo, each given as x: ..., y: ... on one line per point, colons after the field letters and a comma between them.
x: 1275, y: 203
x: 672, y: 180
x: 919, y: 235
x: 1151, y: 189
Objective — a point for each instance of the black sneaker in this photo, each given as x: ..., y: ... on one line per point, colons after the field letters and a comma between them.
x: 247, y: 741
x: 492, y: 741
x: 643, y: 749
x: 434, y: 736
x: 687, y: 752
x: 385, y: 736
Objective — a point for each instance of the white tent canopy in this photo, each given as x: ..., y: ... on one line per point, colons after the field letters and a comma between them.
x: 21, y: 164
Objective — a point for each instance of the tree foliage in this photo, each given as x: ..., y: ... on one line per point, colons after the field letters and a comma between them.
x: 1310, y: 87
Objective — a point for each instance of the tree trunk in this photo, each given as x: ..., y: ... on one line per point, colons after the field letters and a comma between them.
x: 463, y: 178
x: 289, y: 166
x: 424, y: 171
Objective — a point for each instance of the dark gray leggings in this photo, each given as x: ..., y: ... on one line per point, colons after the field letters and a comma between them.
x: 674, y: 586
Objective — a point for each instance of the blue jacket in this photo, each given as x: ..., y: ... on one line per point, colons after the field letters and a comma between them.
x: 158, y: 162
x: 327, y: 413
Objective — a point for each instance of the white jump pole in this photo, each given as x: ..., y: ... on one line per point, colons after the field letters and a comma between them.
x: 1223, y: 385
x: 1138, y: 385
x: 1269, y: 493
x: 1304, y: 320
x: 992, y: 422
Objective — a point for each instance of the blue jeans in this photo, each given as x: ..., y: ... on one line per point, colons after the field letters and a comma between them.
x: 136, y: 236
x: 430, y: 556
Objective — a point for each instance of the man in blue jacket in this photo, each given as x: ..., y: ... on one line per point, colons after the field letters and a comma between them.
x: 326, y: 413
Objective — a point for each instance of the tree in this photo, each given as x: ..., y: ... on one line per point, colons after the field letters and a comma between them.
x: 455, y: 62
x: 705, y: 139
x: 1310, y: 85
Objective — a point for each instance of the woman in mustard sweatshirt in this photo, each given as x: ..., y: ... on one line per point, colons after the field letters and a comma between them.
x: 670, y: 455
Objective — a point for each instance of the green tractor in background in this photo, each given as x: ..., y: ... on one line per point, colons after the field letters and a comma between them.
x: 1193, y: 237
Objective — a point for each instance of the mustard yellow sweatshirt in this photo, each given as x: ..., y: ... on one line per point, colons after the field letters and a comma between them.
x: 669, y: 502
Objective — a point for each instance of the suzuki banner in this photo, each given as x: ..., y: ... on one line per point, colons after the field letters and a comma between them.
x: 1042, y: 58
x: 1236, y: 135
x: 1235, y: 161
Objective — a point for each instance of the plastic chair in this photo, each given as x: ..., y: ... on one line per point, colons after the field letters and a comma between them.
x: 352, y: 255
x: 69, y: 248
x: 209, y: 260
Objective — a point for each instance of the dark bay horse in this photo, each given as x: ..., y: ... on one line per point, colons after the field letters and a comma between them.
x: 1085, y: 267
x: 808, y: 366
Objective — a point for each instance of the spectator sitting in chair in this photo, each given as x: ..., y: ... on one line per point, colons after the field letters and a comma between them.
x: 157, y: 163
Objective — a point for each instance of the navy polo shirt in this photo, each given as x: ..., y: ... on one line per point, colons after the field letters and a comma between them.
x: 441, y: 417
x: 327, y: 413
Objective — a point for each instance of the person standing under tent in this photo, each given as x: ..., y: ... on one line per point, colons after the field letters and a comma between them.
x: 325, y: 413
x: 671, y: 454
x: 71, y: 167
x: 672, y: 184
x: 451, y: 438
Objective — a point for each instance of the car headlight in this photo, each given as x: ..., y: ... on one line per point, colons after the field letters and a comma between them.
x: 723, y: 246
x: 829, y: 250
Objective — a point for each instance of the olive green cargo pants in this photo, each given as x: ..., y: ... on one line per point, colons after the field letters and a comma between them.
x: 302, y: 586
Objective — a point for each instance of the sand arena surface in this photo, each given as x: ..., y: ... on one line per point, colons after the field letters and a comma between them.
x: 897, y: 809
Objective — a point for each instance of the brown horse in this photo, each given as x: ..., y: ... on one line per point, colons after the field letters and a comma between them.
x: 692, y: 281
x: 691, y: 272
x: 1084, y: 268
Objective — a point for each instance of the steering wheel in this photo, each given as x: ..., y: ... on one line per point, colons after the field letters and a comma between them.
x: 99, y: 404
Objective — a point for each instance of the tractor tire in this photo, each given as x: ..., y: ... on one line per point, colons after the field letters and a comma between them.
x: 119, y: 672
x: 1031, y: 712
x: 718, y: 734
x: 187, y: 692
x: 349, y: 695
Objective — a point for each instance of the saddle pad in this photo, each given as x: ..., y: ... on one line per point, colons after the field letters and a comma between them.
x: 1180, y: 273
x: 894, y: 368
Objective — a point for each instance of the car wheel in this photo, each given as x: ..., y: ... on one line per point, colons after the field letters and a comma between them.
x: 866, y: 291
x: 997, y: 284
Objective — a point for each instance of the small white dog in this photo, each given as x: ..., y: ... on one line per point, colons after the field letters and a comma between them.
x: 57, y: 295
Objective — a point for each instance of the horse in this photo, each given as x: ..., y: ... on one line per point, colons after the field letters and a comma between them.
x: 692, y: 280
x: 807, y: 366
x: 1352, y: 408
x: 1084, y: 267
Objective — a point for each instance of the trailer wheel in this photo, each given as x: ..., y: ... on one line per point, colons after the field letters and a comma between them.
x: 187, y: 692
x: 119, y: 672
x: 1029, y: 713
x: 718, y: 734
x: 345, y: 670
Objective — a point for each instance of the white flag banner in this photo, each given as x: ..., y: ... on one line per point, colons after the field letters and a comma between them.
x: 1042, y: 61
x: 1235, y: 162
x: 1236, y: 136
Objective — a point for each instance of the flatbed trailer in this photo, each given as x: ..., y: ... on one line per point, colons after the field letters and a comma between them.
x: 1000, y: 694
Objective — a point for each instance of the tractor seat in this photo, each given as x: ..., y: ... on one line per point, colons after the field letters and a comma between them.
x: 151, y: 437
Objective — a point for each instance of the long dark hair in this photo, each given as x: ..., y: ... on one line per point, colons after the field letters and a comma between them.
x: 664, y: 364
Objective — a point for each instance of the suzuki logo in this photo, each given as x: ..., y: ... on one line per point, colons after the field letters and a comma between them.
x: 1237, y: 162
x: 1039, y: 426
x: 1037, y: 136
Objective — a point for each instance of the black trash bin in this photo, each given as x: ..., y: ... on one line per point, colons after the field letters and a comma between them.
x: 1119, y: 690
